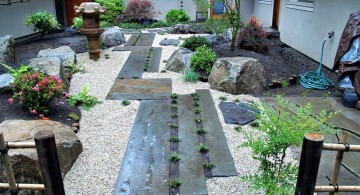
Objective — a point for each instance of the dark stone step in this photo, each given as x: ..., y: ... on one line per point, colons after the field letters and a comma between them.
x: 155, y: 59
x: 145, y: 167
x: 132, y: 48
x: 140, y: 89
x: 191, y: 165
x: 131, y: 40
x: 134, y: 65
x: 146, y: 39
x: 219, y: 153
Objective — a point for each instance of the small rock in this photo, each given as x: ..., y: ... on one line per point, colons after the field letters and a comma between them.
x: 234, y: 113
x: 75, y: 129
x: 166, y: 42
x: 75, y: 125
x: 7, y: 51
x: 179, y: 61
x: 5, y: 82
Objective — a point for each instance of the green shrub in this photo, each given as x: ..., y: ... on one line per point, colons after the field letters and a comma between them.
x: 113, y: 9
x: 217, y: 26
x: 34, y: 90
x: 77, y: 23
x: 194, y: 42
x: 191, y: 76
x: 280, y: 129
x: 177, y: 15
x: 83, y: 99
x: 203, y: 59
x: 104, y: 24
x: 130, y: 25
x: 43, y: 22
x: 158, y: 24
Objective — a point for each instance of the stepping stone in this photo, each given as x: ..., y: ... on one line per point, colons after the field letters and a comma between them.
x: 155, y: 59
x: 219, y: 153
x: 234, y: 113
x: 146, y: 39
x: 131, y: 31
x: 131, y: 40
x: 140, y: 89
x: 145, y: 167
x: 131, y: 48
x: 191, y: 166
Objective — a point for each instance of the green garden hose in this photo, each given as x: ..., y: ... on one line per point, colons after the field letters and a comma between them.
x: 317, y: 80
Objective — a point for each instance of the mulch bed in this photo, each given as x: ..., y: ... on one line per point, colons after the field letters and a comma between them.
x: 280, y: 63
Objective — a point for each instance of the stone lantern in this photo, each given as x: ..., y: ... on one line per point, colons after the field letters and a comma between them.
x: 90, y: 13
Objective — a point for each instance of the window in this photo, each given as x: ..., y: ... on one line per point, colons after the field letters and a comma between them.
x: 265, y: 1
x: 304, y: 5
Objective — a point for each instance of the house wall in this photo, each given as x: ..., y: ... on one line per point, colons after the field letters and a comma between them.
x: 263, y: 10
x: 246, y: 9
x: 305, y: 31
x: 12, y: 18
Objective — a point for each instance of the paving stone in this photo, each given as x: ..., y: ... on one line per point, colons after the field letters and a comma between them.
x: 146, y: 39
x: 132, y: 48
x: 131, y: 40
x: 234, y: 113
x: 134, y: 65
x: 140, y: 89
x: 145, y: 167
x: 219, y: 153
x: 155, y: 60
x: 191, y: 166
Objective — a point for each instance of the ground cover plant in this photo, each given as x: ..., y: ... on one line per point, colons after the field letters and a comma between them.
x: 279, y: 129
x: 191, y: 76
x: 203, y: 59
x: 42, y: 22
x: 174, y: 16
x: 83, y: 99
x: 253, y: 37
x: 113, y: 9
x: 34, y: 90
x: 194, y: 42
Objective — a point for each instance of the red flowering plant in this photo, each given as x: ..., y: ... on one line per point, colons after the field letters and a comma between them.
x: 34, y: 90
x: 252, y: 37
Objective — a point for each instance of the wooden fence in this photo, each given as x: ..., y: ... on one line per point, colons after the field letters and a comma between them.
x: 48, y: 160
x: 310, y: 160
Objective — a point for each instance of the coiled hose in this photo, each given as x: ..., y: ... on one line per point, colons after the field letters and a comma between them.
x: 317, y: 80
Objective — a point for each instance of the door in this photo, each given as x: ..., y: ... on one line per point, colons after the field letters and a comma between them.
x: 70, y: 12
x: 217, y: 9
x: 276, y: 15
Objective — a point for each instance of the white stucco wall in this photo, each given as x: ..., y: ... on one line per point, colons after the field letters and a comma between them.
x: 12, y: 18
x: 264, y: 12
x: 246, y: 9
x: 306, y: 31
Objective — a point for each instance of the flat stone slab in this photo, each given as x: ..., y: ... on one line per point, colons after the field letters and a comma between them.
x: 155, y: 60
x: 191, y: 168
x: 140, y: 89
x: 131, y: 48
x: 131, y: 40
x: 146, y: 39
x: 219, y: 153
x: 134, y: 65
x: 145, y: 167
x: 234, y: 113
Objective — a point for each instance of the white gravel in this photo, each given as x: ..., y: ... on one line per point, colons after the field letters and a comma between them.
x: 106, y: 128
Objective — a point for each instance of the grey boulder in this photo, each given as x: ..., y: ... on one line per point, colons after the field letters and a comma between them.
x: 179, y: 61
x: 238, y: 75
x: 180, y: 29
x: 166, y: 42
x: 112, y: 37
x: 5, y: 82
x: 50, y: 66
x: 25, y: 162
x: 7, y: 51
x: 65, y: 54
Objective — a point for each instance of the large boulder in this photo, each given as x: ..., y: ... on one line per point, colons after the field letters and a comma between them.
x: 112, y: 37
x: 5, y: 82
x: 50, y: 66
x: 65, y: 54
x: 179, y: 61
x: 7, y: 51
x: 238, y: 75
x: 24, y: 161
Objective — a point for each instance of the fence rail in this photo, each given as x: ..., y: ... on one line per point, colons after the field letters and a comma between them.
x: 310, y: 160
x: 48, y: 160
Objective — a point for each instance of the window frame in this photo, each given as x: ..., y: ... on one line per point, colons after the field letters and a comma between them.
x: 301, y: 5
x: 269, y: 2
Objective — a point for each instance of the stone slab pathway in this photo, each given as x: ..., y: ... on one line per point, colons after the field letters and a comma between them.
x: 145, y: 168
x: 140, y: 89
x: 219, y: 152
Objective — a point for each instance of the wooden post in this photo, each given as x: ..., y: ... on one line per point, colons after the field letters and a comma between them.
x: 309, y: 163
x: 338, y: 160
x: 49, y: 163
x: 7, y: 164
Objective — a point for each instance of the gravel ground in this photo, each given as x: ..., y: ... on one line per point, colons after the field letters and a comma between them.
x: 106, y: 128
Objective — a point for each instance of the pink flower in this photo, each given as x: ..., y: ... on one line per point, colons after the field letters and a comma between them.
x: 35, y: 75
x: 10, y: 100
x: 46, y: 80
x: 67, y: 94
x: 36, y: 88
x: 33, y: 111
x: 20, y: 94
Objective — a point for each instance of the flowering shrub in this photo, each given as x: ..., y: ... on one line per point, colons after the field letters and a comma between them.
x: 138, y: 11
x: 34, y: 91
x: 253, y: 37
